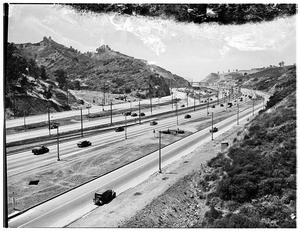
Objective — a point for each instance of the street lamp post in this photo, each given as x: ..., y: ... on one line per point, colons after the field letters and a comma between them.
x: 172, y: 100
x: 81, y: 122
x: 151, y: 104
x: 110, y: 112
x: 58, y: 159
x: 176, y: 111
x: 212, y: 126
x: 24, y: 120
x: 159, y: 153
x: 49, y: 121
x: 237, y: 113
x: 125, y: 126
x: 140, y: 112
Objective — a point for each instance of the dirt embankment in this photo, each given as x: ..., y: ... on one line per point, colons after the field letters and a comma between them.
x: 174, y: 198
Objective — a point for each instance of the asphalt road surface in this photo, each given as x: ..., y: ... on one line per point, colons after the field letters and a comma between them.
x: 64, y: 209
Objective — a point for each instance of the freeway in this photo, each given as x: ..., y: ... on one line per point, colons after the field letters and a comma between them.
x: 96, y: 109
x: 77, y: 125
x: 72, y: 205
x: 26, y: 161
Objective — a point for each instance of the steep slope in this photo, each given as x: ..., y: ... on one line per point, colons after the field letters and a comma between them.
x: 118, y: 72
x: 252, y: 185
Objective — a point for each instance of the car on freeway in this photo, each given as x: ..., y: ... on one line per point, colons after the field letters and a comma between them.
x: 187, y: 116
x: 153, y: 122
x: 119, y: 129
x: 84, y: 143
x: 127, y: 113
x: 182, y: 105
x: 133, y: 115
x: 215, y: 129
x: 142, y: 114
x: 40, y: 150
x: 54, y: 125
x: 103, y: 196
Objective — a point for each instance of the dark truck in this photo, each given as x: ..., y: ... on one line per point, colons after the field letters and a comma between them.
x: 103, y: 196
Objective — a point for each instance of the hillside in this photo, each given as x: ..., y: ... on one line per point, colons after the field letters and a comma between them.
x: 252, y: 185
x: 41, y: 75
x: 103, y: 69
x: 259, y: 78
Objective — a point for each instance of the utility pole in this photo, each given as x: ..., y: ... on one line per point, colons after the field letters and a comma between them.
x: 111, y: 113
x: 159, y: 153
x: 187, y: 98
x: 140, y: 112
x: 49, y: 121
x: 58, y: 159
x: 151, y: 104
x: 237, y: 113
x: 253, y: 106
x: 24, y: 120
x: 207, y: 105
x: 172, y: 100
x: 125, y: 127
x: 81, y: 122
x: 194, y: 103
x: 212, y: 126
x: 176, y: 110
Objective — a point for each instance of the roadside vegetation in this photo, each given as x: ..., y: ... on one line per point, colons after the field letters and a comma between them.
x: 252, y: 185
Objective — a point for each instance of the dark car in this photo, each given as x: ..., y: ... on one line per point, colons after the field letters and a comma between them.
x: 182, y: 105
x: 127, y: 113
x: 119, y: 129
x: 84, y: 143
x: 222, y: 105
x: 152, y: 123
x: 40, y: 150
x: 215, y: 129
x: 54, y: 125
x: 103, y: 196
x: 142, y: 114
x: 166, y: 131
x: 133, y: 114
x: 187, y: 116
x: 213, y: 106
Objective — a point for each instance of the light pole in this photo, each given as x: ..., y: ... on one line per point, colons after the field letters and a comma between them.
x: 49, y: 121
x: 81, y: 122
x: 58, y: 159
x: 140, y: 112
x: 159, y: 153
x: 172, y: 100
x: 176, y: 110
x: 125, y: 126
x: 194, y: 103
x: 237, y: 113
x: 24, y: 120
x: 110, y: 112
x: 151, y: 104
x: 212, y: 126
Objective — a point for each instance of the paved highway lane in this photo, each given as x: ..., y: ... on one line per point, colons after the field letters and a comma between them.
x: 77, y: 126
x: 96, y: 109
x: 62, y: 210
x: 26, y: 161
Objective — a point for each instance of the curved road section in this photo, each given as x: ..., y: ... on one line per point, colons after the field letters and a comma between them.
x: 76, y: 203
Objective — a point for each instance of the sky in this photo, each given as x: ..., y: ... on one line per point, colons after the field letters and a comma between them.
x: 190, y: 50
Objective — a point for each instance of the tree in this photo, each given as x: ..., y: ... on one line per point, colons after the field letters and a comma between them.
x: 33, y: 69
x: 43, y: 73
x: 281, y: 64
x: 61, y: 78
